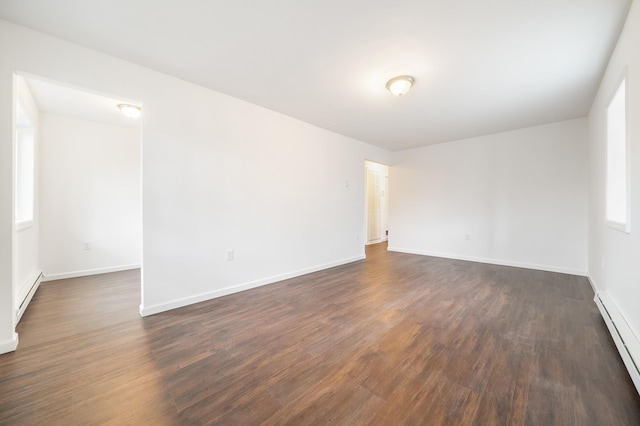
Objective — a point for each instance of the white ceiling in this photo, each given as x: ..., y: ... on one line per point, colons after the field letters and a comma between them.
x: 57, y: 99
x: 481, y: 66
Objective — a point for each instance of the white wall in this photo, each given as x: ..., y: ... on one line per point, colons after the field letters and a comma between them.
x: 520, y: 197
x: 219, y: 174
x: 236, y: 176
x: 614, y: 255
x: 90, y: 193
x: 27, y: 264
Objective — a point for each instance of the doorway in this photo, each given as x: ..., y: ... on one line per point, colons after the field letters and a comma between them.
x: 376, y: 202
x: 87, y: 209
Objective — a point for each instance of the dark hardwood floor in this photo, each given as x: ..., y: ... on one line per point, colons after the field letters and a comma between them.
x: 395, y: 339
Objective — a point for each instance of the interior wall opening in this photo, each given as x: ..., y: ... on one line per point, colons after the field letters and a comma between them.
x: 376, y: 202
x: 86, y: 180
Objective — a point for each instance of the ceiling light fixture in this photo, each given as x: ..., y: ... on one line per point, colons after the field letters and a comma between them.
x: 400, y: 85
x: 130, y: 111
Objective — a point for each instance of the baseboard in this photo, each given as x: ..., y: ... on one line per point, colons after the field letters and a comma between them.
x: 491, y: 261
x: 9, y: 345
x: 25, y: 298
x: 592, y: 284
x: 626, y: 341
x: 178, y: 303
x: 75, y: 274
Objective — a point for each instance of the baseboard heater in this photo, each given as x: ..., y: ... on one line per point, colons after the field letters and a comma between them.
x: 626, y: 341
x: 27, y: 298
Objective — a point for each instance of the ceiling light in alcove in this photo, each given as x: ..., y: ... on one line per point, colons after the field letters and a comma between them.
x: 400, y: 85
x: 130, y: 111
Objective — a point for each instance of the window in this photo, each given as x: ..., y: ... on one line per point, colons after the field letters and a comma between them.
x: 24, y: 172
x: 617, y: 163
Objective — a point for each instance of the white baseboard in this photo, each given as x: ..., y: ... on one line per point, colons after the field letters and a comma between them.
x: 178, y: 303
x: 491, y: 261
x: 626, y: 341
x: 75, y: 274
x: 9, y: 345
x: 593, y: 285
x: 25, y: 289
x: 27, y: 294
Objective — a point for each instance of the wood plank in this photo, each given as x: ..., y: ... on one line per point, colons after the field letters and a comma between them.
x: 393, y: 339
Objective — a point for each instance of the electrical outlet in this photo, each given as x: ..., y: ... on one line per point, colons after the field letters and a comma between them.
x: 467, y: 237
x: 229, y: 254
x: 86, y: 246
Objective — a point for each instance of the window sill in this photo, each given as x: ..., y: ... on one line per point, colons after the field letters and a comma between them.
x: 25, y: 224
x: 622, y: 227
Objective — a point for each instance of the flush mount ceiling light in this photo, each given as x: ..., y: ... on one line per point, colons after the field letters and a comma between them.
x: 400, y: 85
x: 130, y: 111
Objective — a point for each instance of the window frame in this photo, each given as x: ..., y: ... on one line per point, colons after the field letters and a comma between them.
x: 613, y: 224
x: 24, y: 221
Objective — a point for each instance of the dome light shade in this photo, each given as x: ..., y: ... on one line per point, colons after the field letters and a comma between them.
x: 130, y: 111
x: 400, y: 85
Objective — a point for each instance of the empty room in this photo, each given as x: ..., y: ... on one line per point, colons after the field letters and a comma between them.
x: 286, y: 212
